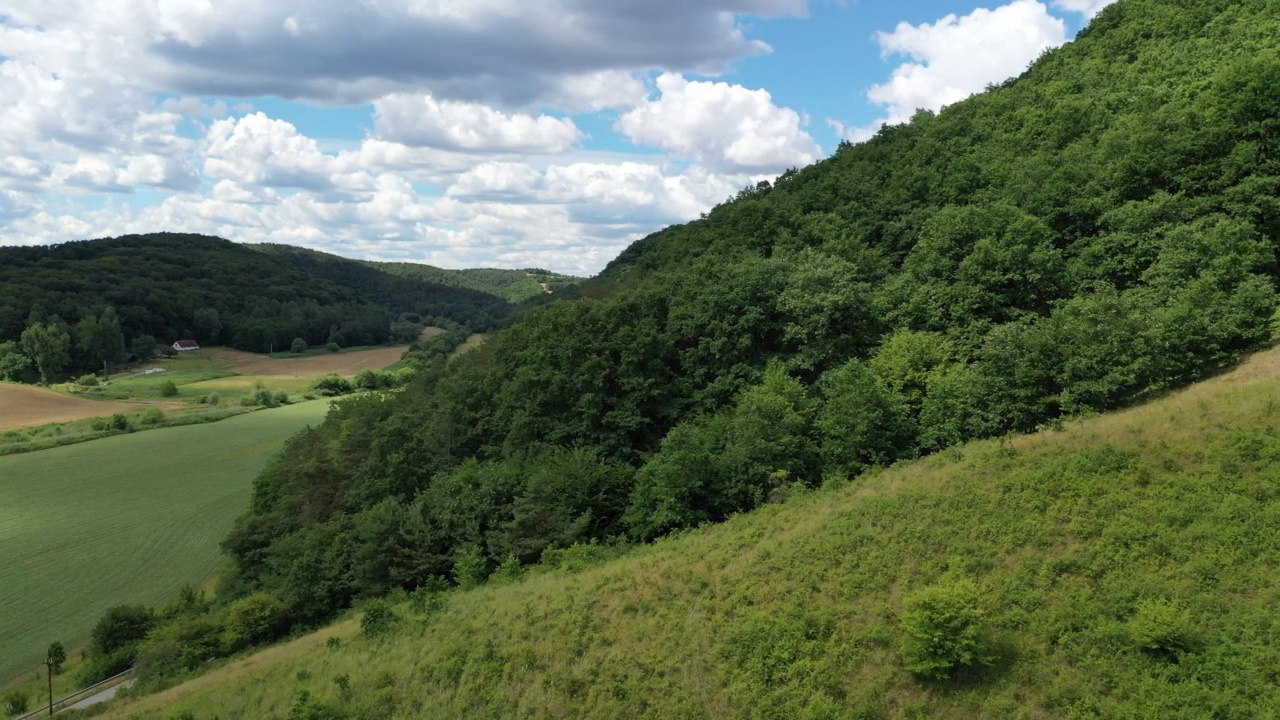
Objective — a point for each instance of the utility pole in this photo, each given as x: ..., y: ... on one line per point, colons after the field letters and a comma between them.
x: 48, y: 664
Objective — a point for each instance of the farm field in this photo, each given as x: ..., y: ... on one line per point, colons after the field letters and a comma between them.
x: 24, y: 405
x: 123, y: 520
x: 348, y: 363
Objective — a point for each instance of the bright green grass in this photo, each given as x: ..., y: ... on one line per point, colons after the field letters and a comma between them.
x: 245, y: 384
x: 125, y: 519
x: 794, y: 611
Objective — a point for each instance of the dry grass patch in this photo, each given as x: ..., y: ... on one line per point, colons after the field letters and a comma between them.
x: 247, y: 363
x: 25, y: 406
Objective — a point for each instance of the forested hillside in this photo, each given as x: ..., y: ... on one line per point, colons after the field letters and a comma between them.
x: 1093, y: 233
x: 99, y: 301
x: 514, y: 285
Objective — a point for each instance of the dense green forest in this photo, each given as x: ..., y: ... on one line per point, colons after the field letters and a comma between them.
x: 1092, y: 233
x: 81, y: 305
x: 514, y: 285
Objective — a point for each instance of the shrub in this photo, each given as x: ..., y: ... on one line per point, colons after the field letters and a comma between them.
x: 120, y: 422
x: 88, y: 381
x: 331, y: 385
x: 298, y: 345
x: 944, y: 629
x: 374, y: 380
x: 182, y: 644
x: 1162, y: 627
x: 100, y: 424
x: 254, y: 619
x: 470, y: 569
x: 263, y: 397
x: 168, y: 351
x: 16, y: 702
x: 153, y: 416
x: 333, y: 347
x: 378, y: 617
x: 281, y: 398
x: 168, y: 389
x: 214, y: 398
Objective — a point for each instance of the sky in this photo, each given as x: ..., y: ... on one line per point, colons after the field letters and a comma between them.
x: 461, y: 133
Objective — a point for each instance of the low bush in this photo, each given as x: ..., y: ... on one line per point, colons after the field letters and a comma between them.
x: 944, y: 628
x: 333, y: 347
x: 1162, y: 628
x: 378, y: 617
x: 153, y: 416
x: 331, y: 385
x: 88, y: 381
x: 299, y: 345
x: 168, y: 389
x: 16, y: 702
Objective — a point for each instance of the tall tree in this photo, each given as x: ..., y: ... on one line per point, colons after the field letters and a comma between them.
x: 100, y: 338
x: 49, y: 348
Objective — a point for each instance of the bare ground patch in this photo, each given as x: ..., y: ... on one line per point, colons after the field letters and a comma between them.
x: 25, y: 406
x: 247, y: 363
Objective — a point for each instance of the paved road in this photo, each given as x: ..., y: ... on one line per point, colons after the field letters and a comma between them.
x: 101, y: 697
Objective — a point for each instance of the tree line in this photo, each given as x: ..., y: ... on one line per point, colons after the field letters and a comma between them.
x: 82, y: 306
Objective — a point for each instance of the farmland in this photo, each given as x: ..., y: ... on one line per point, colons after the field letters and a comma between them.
x: 25, y: 405
x: 125, y: 519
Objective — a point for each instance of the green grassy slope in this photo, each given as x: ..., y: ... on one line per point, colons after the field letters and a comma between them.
x: 793, y: 611
x: 122, y: 520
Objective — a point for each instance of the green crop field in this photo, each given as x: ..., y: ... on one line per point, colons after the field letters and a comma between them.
x: 122, y: 520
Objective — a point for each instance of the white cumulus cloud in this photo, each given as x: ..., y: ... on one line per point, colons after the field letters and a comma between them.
x: 424, y: 121
x: 727, y: 127
x: 957, y: 56
x: 1088, y: 8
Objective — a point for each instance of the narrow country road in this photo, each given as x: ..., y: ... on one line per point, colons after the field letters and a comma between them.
x: 101, y: 697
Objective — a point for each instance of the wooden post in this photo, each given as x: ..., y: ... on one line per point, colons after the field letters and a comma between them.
x: 49, y: 666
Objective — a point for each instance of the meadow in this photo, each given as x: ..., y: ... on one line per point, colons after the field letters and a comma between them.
x: 795, y: 610
x: 122, y: 520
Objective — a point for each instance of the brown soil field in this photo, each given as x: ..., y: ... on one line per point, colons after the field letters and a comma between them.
x: 247, y: 363
x: 25, y: 406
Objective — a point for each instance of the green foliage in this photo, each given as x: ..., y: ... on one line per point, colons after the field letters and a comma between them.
x: 168, y: 389
x: 254, y: 619
x: 88, y: 381
x: 332, y: 347
x: 1162, y: 627
x: 944, y: 628
x: 14, y: 362
x: 55, y: 657
x: 331, y: 385
x: 48, y: 346
x: 168, y: 286
x: 298, y: 345
x: 470, y: 569
x: 114, y: 641
x: 152, y: 416
x: 16, y: 702
x: 862, y: 423
x: 179, y: 646
x: 307, y: 707
x: 378, y: 618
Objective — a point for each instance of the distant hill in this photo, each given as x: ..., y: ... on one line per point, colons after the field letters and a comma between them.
x: 173, y: 286
x: 515, y: 286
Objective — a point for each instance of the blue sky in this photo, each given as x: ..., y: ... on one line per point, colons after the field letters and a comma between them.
x: 487, y: 133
